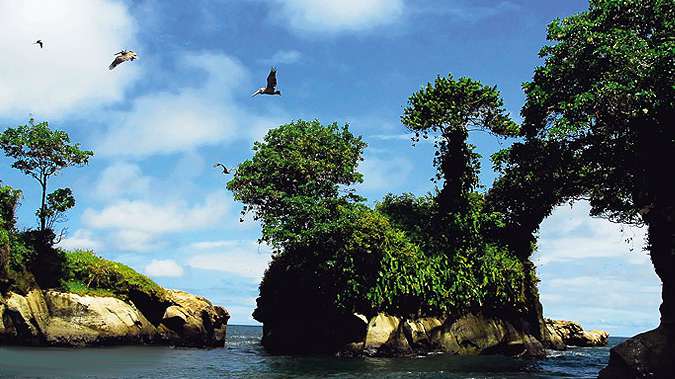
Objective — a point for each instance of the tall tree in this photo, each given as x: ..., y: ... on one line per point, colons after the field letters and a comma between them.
x: 42, y: 153
x: 448, y: 109
x: 607, y: 87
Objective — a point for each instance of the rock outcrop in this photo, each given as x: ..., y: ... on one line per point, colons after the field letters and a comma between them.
x: 66, y: 319
x: 569, y: 333
x: 647, y: 355
x: 468, y: 335
x: 386, y: 335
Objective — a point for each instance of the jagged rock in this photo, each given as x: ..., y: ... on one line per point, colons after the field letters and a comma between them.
x: 195, y: 319
x: 90, y: 320
x: 381, y: 328
x: 468, y: 335
x: 647, y: 355
x: 570, y: 333
x: 67, y: 319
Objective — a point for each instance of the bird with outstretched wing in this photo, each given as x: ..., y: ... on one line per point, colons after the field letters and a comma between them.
x: 225, y: 170
x: 271, y: 88
x: 39, y: 42
x: 121, y: 57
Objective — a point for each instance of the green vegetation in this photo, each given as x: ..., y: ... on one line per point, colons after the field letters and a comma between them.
x: 332, y: 253
x: 88, y: 274
x: 41, y: 153
x: 28, y: 259
x: 598, y: 124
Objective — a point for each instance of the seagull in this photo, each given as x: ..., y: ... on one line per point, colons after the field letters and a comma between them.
x: 38, y: 42
x: 225, y: 170
x: 271, y: 85
x: 121, y: 57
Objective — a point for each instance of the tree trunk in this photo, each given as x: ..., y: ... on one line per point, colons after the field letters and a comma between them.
x: 662, y: 251
x: 43, y: 206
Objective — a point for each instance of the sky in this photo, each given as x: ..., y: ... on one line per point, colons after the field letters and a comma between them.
x: 150, y: 197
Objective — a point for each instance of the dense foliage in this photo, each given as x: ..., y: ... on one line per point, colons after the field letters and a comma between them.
x: 334, y: 254
x: 298, y: 177
x: 598, y: 124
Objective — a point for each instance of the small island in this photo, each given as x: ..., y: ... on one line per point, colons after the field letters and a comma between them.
x: 447, y: 268
x: 75, y: 298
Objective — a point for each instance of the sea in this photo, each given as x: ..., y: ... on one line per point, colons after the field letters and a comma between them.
x: 243, y: 357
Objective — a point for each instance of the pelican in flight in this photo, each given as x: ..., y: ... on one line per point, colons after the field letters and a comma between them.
x: 121, y: 57
x: 271, y: 85
x: 225, y: 170
x: 38, y: 42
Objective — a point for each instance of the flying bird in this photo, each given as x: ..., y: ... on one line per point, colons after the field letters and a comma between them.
x: 225, y: 170
x: 121, y: 57
x: 38, y: 42
x: 271, y: 85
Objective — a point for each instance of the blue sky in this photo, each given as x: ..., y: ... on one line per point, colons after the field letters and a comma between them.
x: 150, y: 197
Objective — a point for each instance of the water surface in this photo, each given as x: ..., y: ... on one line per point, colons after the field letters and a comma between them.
x: 244, y: 358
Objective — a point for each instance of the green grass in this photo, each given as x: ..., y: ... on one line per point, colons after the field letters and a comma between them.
x: 79, y: 288
x: 88, y: 274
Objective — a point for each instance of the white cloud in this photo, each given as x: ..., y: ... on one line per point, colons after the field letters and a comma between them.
x: 137, y: 224
x: 164, y: 267
x: 466, y: 11
x: 284, y: 57
x: 336, y: 15
x: 198, y: 114
x: 240, y: 257
x: 583, y: 264
x: 384, y: 173
x: 81, y: 239
x: 71, y: 72
x: 571, y: 234
x: 120, y: 179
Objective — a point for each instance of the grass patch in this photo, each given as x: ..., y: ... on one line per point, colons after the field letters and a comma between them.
x: 79, y: 288
x: 89, y: 274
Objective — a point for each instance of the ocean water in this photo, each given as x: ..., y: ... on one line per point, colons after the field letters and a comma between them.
x: 244, y: 358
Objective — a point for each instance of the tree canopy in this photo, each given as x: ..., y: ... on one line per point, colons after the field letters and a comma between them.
x: 41, y: 153
x: 448, y: 108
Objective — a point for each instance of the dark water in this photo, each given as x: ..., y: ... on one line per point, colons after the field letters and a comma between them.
x: 243, y: 358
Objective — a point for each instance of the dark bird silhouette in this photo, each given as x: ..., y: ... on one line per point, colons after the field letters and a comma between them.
x: 38, y: 42
x: 225, y: 170
x: 271, y: 85
x: 121, y: 57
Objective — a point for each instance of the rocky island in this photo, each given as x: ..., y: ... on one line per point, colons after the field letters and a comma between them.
x: 55, y: 318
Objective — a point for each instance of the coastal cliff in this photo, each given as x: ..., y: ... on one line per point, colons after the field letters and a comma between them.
x: 53, y: 318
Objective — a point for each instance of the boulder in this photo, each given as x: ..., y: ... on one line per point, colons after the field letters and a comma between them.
x: 195, y: 320
x: 569, y: 333
x: 469, y: 335
x: 647, y: 355
x: 67, y: 319
x: 386, y: 336
x: 75, y: 320
x: 381, y: 329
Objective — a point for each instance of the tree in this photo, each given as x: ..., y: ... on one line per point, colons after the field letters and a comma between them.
x: 42, y: 153
x: 607, y: 89
x: 449, y: 108
x: 299, y: 175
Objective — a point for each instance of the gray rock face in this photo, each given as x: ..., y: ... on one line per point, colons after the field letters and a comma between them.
x: 66, y: 319
x: 569, y: 333
x: 647, y: 355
